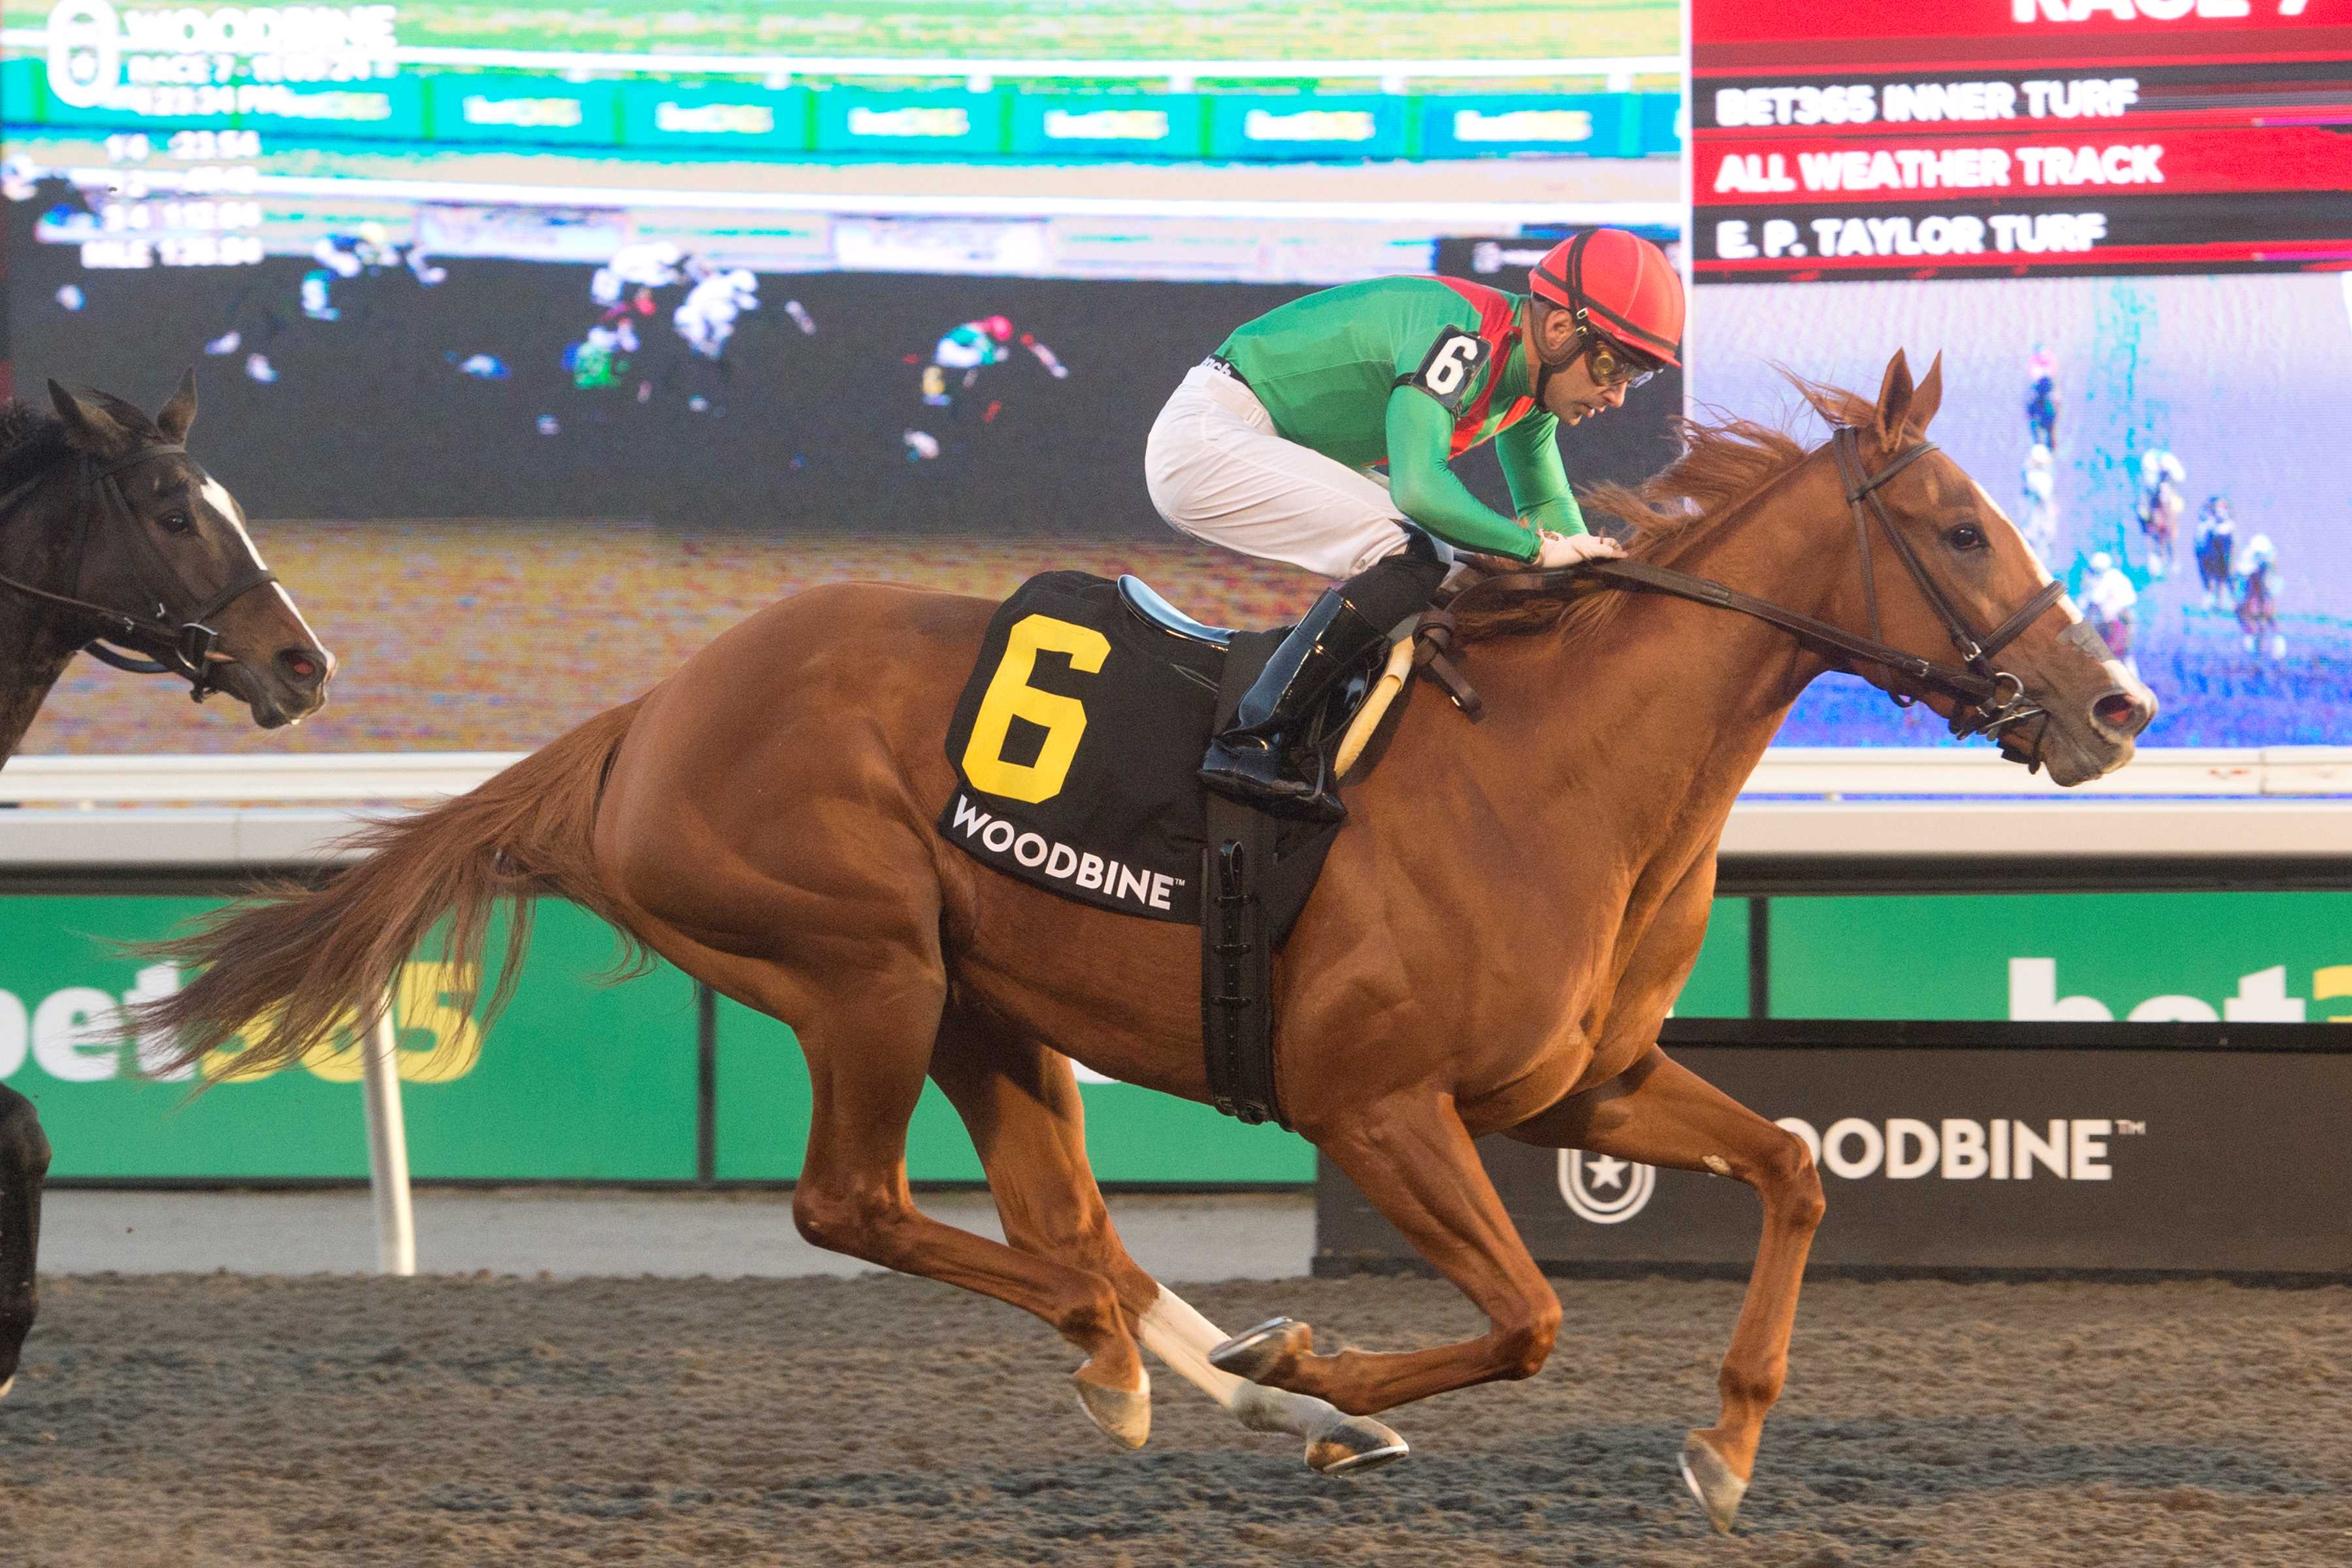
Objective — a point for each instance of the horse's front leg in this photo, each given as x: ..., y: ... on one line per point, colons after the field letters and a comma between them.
x: 24, y: 1162
x: 1659, y: 1113
x: 1414, y: 1159
x: 1020, y: 1104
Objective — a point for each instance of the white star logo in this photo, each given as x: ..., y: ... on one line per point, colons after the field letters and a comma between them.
x: 1604, y: 1171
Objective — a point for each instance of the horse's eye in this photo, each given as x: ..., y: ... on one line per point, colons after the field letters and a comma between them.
x: 177, y: 523
x: 1967, y: 536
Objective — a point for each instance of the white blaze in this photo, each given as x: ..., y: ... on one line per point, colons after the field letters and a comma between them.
x: 216, y: 496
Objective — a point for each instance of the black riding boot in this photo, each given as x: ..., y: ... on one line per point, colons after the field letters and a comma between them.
x: 1252, y: 760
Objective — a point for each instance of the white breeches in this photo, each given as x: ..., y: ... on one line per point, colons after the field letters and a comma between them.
x: 1218, y: 471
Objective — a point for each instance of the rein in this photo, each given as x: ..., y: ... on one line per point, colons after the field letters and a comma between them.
x: 1995, y: 699
x: 190, y: 650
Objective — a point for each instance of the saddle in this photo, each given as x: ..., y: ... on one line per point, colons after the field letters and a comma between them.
x: 1077, y: 744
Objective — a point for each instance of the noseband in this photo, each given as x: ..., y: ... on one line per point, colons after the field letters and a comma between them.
x: 186, y: 649
x: 1993, y: 698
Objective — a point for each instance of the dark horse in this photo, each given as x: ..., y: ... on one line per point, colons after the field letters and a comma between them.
x: 112, y: 538
x: 1499, y: 929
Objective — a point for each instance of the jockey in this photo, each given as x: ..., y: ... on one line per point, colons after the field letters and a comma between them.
x: 2258, y: 586
x: 2216, y: 541
x: 1269, y: 445
x: 2041, y: 398
x: 2159, y: 471
x: 975, y: 346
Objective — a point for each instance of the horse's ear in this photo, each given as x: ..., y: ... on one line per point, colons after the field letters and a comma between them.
x: 90, y: 426
x: 1894, y: 401
x: 175, y: 417
x: 1928, y: 396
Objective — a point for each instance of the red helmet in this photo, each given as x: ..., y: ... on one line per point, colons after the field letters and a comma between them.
x: 1620, y: 285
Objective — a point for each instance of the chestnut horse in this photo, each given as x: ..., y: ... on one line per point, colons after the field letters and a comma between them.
x: 1497, y: 936
x: 110, y: 532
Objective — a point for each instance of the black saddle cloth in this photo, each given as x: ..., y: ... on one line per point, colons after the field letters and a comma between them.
x: 1077, y: 747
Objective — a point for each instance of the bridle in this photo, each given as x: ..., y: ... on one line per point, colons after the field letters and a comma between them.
x: 1997, y: 697
x: 1994, y: 700
x: 189, y: 649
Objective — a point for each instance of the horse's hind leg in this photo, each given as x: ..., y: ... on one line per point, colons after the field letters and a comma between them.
x: 1662, y: 1113
x: 1020, y: 1104
x: 867, y: 1018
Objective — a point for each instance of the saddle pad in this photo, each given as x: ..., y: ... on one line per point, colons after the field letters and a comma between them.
x: 1075, y: 747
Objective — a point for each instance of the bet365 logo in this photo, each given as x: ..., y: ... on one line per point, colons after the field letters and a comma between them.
x: 2262, y: 998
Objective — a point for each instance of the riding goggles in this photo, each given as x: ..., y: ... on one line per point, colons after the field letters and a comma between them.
x: 1613, y: 364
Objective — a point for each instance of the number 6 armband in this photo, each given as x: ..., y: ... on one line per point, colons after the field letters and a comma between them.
x: 1450, y: 367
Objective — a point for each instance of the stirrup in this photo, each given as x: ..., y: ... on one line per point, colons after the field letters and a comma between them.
x: 1270, y: 787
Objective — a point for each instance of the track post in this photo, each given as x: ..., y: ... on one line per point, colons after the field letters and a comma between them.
x: 387, y: 1133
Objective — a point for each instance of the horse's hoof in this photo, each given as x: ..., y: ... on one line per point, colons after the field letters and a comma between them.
x: 1254, y: 1353
x: 1126, y: 1416
x: 1711, y: 1481
x: 6, y: 1386
x: 1354, y: 1445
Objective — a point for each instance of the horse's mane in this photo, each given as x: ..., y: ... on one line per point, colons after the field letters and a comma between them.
x: 30, y: 439
x: 1724, y: 462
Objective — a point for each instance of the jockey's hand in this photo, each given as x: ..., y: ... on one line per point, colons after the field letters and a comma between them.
x: 1572, y: 549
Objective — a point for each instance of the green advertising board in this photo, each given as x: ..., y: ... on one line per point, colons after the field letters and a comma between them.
x: 534, y: 110
x: 911, y: 124
x: 576, y: 1081
x: 1109, y: 125
x: 1717, y: 986
x: 1328, y: 126
x: 1596, y: 124
x: 721, y: 120
x: 2084, y: 957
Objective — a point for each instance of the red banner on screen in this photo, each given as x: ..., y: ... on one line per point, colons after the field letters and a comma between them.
x: 1951, y: 136
x: 2044, y: 164
x: 2032, y: 21
x: 1735, y: 36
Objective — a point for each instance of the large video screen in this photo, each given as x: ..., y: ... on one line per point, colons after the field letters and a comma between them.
x: 503, y: 311
x: 2125, y: 228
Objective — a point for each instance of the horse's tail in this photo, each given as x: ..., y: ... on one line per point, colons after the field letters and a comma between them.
x: 288, y: 970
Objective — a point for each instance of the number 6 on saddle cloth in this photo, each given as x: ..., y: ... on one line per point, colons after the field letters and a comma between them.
x: 1077, y: 745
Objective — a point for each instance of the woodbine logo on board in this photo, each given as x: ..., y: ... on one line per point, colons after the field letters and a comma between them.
x: 1608, y: 1191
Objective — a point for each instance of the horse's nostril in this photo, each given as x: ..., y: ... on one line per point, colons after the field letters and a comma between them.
x: 2119, y: 711
x: 302, y: 664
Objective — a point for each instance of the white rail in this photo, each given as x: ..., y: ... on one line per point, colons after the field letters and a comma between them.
x: 276, y: 778
x: 1830, y: 772
x: 101, y: 814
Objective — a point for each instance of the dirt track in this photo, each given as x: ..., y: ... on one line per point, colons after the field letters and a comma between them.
x: 176, y: 1420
